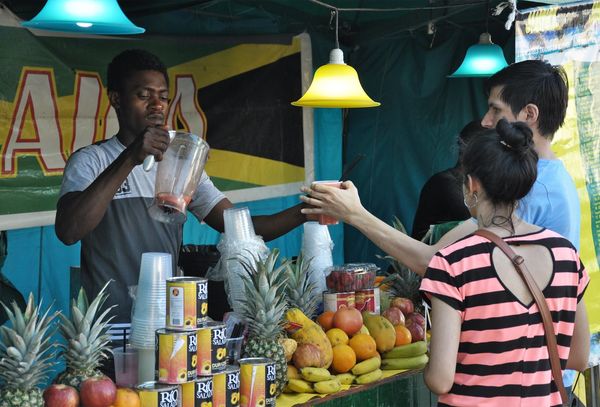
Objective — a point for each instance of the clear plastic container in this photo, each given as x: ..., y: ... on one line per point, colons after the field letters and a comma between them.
x: 351, y: 277
x: 177, y: 176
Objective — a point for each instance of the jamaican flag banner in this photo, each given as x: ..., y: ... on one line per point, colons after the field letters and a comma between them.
x: 569, y: 36
x: 235, y: 93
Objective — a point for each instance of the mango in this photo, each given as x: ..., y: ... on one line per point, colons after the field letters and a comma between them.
x: 381, y: 330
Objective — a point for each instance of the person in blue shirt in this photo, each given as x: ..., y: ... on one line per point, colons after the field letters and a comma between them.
x: 537, y: 92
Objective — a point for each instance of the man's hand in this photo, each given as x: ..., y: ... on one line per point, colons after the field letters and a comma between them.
x: 152, y: 141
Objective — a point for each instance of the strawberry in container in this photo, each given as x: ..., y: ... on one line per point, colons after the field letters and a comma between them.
x: 351, y: 277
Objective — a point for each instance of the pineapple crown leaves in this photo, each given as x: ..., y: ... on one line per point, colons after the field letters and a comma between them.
x: 399, y: 268
x: 86, y: 333
x: 26, y: 352
x: 403, y: 281
x: 300, y: 290
x: 265, y: 301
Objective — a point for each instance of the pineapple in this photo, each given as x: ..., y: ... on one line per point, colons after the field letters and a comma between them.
x: 263, y: 310
x: 26, y: 355
x: 300, y: 290
x: 87, y: 340
x: 402, y: 281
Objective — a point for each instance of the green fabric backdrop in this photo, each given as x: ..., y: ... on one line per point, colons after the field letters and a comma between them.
x: 412, y: 135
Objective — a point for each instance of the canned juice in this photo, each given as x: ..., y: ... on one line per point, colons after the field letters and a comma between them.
x: 187, y: 302
x: 334, y: 301
x: 257, y: 382
x: 198, y: 393
x: 368, y: 300
x: 226, y: 388
x: 212, y: 349
x: 176, y: 356
x: 154, y: 394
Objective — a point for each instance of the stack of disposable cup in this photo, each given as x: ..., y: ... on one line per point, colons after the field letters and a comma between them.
x: 149, y: 309
x: 316, y: 247
x: 238, y: 224
x: 239, y: 242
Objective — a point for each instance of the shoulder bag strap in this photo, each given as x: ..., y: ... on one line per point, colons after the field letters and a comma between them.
x: 540, y: 300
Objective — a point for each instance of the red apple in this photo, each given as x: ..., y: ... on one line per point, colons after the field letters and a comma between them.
x: 415, y: 323
x: 415, y: 318
x: 61, y: 395
x: 394, y: 315
x: 98, y: 391
x: 405, y: 305
x: 417, y: 332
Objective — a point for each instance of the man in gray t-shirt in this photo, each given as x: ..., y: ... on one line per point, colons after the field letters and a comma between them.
x: 105, y: 192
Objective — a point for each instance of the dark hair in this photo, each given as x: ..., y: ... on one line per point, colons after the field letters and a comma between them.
x: 469, y: 132
x: 536, y: 82
x: 504, y: 161
x: 129, y: 62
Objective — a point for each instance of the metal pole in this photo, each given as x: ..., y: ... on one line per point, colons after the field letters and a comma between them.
x: 592, y: 386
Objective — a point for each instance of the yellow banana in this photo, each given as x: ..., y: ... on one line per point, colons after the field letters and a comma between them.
x: 405, y: 351
x: 315, y: 374
x: 415, y: 362
x: 299, y: 386
x: 293, y: 372
x: 345, y: 378
x: 328, y: 386
x: 366, y: 366
x: 369, y: 377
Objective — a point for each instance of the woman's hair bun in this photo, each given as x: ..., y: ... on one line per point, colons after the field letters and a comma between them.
x: 516, y: 136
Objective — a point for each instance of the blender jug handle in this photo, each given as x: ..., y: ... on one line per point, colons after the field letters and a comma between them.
x: 149, y: 160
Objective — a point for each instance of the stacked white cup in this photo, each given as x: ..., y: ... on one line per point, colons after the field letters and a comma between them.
x: 316, y: 247
x: 149, y: 309
x: 238, y: 224
x: 239, y: 241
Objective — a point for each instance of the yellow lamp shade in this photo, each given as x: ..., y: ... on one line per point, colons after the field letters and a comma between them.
x: 335, y: 85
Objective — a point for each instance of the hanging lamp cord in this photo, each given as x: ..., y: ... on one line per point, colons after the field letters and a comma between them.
x: 487, y: 16
x: 335, y: 13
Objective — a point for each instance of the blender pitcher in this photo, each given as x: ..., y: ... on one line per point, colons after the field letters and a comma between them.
x: 177, y: 176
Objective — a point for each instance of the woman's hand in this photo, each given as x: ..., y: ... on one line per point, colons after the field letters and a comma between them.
x: 341, y: 203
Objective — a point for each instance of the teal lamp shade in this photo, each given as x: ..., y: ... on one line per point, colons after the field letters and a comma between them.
x: 83, y: 16
x: 482, y: 59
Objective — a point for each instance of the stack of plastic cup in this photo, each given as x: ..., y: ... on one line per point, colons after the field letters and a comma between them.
x: 149, y: 309
x: 316, y: 247
x: 238, y: 224
x: 239, y: 242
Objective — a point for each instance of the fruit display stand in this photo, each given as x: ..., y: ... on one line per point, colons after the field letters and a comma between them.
x: 397, y: 387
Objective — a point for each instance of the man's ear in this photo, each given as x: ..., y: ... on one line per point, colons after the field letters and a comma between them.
x: 113, y: 97
x: 531, y: 114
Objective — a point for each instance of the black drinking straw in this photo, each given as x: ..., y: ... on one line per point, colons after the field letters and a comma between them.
x: 124, y: 350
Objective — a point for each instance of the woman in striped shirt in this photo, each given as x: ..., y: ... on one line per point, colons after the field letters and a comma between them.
x: 487, y: 344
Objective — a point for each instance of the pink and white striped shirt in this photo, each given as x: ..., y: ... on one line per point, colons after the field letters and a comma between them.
x: 502, y: 356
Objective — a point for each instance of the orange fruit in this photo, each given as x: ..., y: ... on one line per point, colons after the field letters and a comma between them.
x: 326, y: 320
x: 364, y: 346
x: 337, y: 337
x: 344, y: 358
x: 403, y: 335
x: 127, y: 398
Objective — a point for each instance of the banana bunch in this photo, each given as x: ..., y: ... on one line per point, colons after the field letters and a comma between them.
x: 367, y: 371
x: 315, y: 379
x: 411, y: 356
